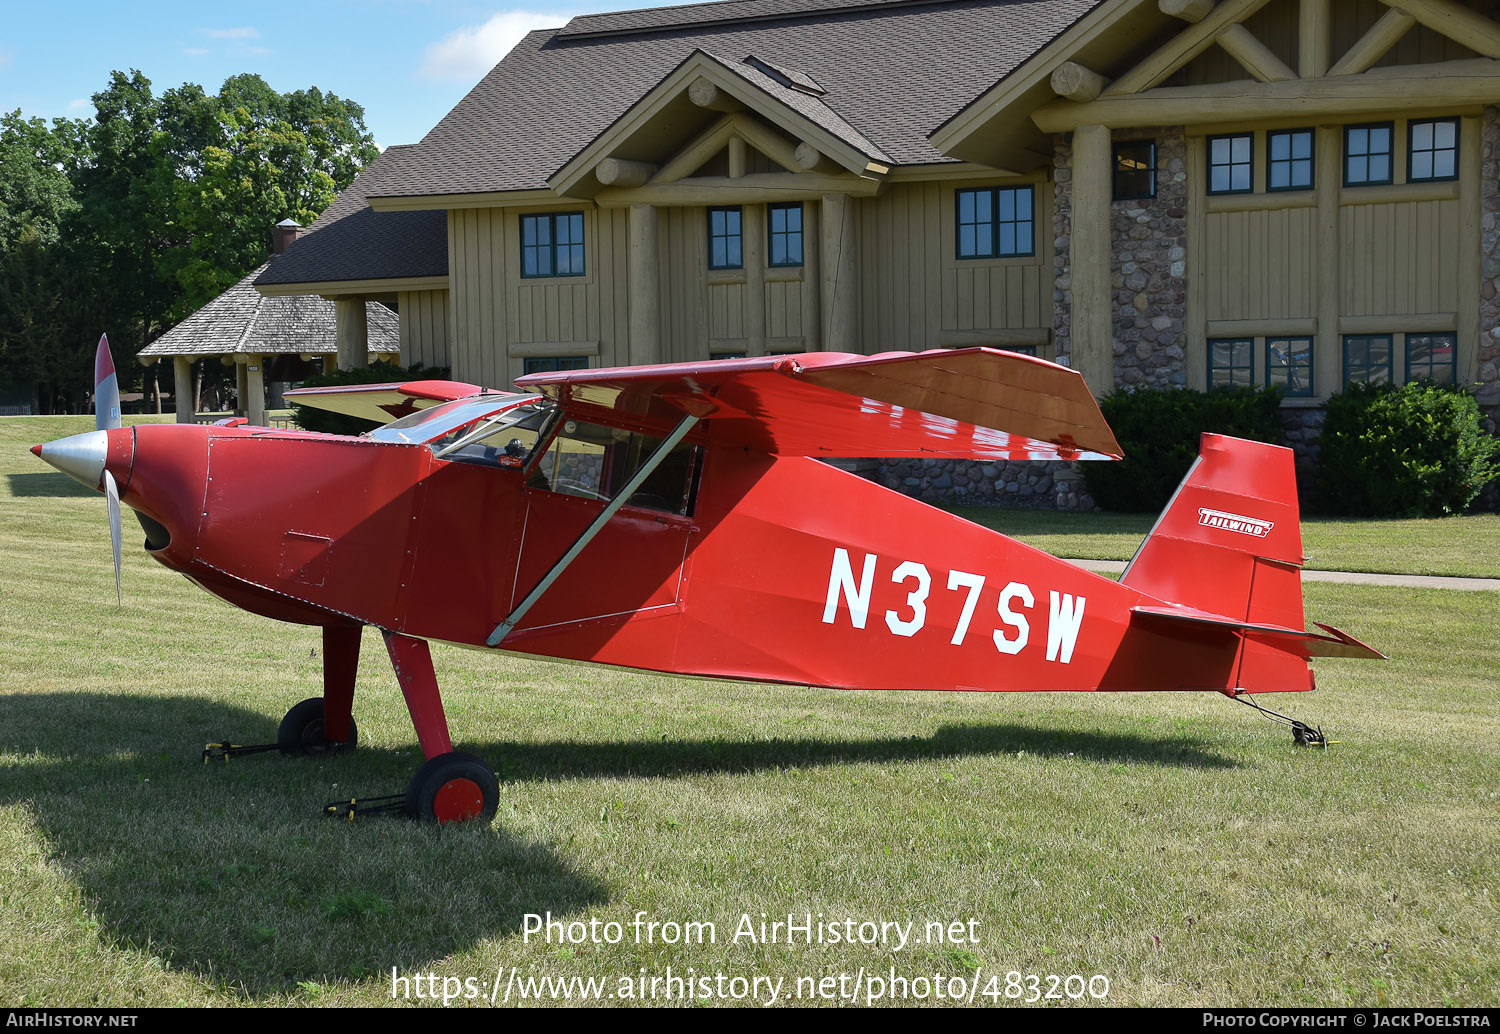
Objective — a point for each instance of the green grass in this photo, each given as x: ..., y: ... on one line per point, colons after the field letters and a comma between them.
x: 1179, y: 845
x: 1459, y: 546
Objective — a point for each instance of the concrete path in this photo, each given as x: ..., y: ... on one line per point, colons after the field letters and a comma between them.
x: 1405, y: 581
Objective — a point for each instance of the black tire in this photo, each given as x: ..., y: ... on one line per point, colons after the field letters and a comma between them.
x: 301, y: 731
x: 453, y: 788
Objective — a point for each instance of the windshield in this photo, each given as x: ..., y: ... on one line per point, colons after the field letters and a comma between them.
x: 430, y: 425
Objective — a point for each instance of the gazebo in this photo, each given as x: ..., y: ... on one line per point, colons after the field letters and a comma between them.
x: 249, y: 331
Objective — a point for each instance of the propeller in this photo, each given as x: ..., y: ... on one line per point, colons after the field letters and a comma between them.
x: 107, y: 418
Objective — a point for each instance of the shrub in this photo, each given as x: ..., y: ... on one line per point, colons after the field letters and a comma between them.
x: 378, y: 372
x: 1413, y: 451
x: 1159, y: 430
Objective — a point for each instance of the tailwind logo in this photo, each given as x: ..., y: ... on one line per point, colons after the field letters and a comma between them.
x: 1251, y: 526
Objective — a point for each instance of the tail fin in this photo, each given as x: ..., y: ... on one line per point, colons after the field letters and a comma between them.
x: 1229, y: 544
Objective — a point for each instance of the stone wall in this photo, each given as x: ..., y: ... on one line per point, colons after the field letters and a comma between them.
x: 1148, y: 271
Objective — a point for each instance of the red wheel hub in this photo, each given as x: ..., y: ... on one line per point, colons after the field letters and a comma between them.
x: 458, y: 800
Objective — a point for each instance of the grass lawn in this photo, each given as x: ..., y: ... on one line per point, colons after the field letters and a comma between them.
x: 1461, y: 546
x: 1177, y: 844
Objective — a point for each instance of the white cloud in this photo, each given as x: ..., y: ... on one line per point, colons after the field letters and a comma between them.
x: 79, y: 104
x: 241, y: 33
x: 472, y: 51
x: 196, y: 51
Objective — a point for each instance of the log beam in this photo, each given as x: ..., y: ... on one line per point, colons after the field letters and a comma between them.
x: 1257, y: 58
x: 1187, y: 10
x: 1314, y: 36
x: 620, y: 172
x: 352, y: 333
x: 1458, y: 23
x: 1375, y: 43
x: 1182, y: 48
x: 840, y: 273
x: 182, y: 389
x: 1451, y: 84
x: 645, y: 286
x: 1076, y: 83
x: 707, y: 94
x: 1093, y: 313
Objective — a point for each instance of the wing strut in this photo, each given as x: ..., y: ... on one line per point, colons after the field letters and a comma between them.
x: 630, y: 488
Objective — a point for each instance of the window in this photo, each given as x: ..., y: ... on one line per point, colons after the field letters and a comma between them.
x: 1231, y: 362
x: 1367, y: 359
x: 552, y: 364
x: 1432, y: 357
x: 1135, y: 170
x: 1291, y: 163
x: 595, y: 462
x: 552, y: 244
x: 994, y: 222
x: 724, y: 241
x: 1433, y: 150
x: 1289, y: 365
x: 1229, y: 163
x: 1367, y: 154
x: 784, y: 223
x: 730, y: 355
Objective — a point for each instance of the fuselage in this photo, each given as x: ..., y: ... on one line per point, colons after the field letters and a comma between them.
x: 736, y: 564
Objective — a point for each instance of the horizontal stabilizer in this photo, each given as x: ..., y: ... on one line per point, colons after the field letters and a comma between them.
x: 973, y: 403
x: 1305, y: 644
x: 382, y: 403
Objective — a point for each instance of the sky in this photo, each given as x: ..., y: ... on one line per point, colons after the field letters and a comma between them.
x: 407, y: 61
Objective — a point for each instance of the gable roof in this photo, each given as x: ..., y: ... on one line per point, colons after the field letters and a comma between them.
x: 892, y: 72
x: 244, y: 322
x: 351, y: 241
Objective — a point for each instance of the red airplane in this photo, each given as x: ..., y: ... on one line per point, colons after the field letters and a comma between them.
x: 677, y: 519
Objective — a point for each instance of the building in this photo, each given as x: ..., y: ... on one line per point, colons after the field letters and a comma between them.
x: 1159, y: 192
x: 268, y: 340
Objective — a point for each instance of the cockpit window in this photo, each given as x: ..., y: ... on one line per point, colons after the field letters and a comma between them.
x: 503, y: 439
x: 596, y: 462
x: 429, y: 425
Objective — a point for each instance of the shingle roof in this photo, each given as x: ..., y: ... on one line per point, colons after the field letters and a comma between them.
x: 350, y: 241
x: 243, y: 321
x: 893, y: 71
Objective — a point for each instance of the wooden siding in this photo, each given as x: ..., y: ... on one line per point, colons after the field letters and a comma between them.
x: 424, y: 327
x: 913, y: 287
x: 1260, y: 265
x: 1408, y: 261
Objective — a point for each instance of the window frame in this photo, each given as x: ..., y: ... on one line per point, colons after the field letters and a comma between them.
x: 1150, y: 170
x: 1310, y: 390
x: 1452, y: 364
x: 1390, y: 358
x: 553, y: 363
x: 1292, y: 159
x: 995, y: 222
x: 1411, y: 128
x: 771, y: 232
x: 552, y: 219
x: 1248, y: 368
x: 738, y: 235
x: 1209, y: 165
x: 1390, y: 156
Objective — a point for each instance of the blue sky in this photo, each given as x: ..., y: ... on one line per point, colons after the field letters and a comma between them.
x: 407, y: 61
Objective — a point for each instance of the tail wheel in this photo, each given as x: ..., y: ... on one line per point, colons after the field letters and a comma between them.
x: 453, y: 788
x: 301, y: 731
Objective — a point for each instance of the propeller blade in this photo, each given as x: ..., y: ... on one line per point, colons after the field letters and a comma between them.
x: 112, y: 493
x: 106, y: 388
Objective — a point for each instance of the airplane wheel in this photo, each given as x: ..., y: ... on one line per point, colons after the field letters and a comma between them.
x: 301, y: 731
x: 453, y: 788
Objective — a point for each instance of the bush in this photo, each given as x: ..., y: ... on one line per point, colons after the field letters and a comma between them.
x: 1414, y: 451
x: 379, y: 372
x: 1159, y: 430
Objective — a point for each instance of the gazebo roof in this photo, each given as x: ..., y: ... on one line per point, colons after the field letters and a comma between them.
x: 242, y: 321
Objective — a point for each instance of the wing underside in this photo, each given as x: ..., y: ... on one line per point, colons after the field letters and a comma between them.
x: 382, y: 402
x: 973, y: 403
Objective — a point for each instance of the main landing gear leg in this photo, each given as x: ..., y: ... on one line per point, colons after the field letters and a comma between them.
x: 449, y: 787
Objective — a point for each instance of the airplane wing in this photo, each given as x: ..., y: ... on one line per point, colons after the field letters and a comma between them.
x: 970, y: 403
x: 382, y: 403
